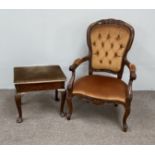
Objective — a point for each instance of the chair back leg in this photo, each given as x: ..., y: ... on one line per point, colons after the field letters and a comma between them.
x: 70, y: 106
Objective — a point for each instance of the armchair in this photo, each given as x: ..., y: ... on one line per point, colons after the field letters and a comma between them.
x: 109, y: 42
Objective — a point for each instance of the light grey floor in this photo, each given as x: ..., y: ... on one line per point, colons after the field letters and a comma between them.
x: 90, y: 124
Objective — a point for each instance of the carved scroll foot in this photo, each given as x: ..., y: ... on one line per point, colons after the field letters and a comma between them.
x: 19, y: 120
x: 125, y: 127
x: 18, y: 105
x: 126, y: 114
x: 68, y: 116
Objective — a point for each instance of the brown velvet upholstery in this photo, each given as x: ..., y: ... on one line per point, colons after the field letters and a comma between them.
x: 101, y: 87
x: 108, y: 43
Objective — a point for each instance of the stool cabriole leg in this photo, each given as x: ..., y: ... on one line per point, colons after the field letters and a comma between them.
x: 18, y: 105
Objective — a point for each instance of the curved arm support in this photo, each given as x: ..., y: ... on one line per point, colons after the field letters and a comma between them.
x: 72, y: 68
x: 132, y: 69
x: 77, y: 62
x: 133, y: 76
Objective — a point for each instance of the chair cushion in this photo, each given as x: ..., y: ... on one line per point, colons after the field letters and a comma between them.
x: 101, y: 87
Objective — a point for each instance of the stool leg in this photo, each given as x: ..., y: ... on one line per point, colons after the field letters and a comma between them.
x: 56, y: 95
x: 63, y: 98
x: 18, y: 104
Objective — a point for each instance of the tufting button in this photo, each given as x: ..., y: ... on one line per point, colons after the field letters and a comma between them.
x: 115, y: 55
x: 106, y: 53
x: 102, y: 44
x: 108, y: 36
x: 97, y: 52
x: 101, y: 61
x: 112, y: 45
x: 99, y: 36
x: 110, y: 62
x: 121, y: 46
x: 118, y: 37
x: 94, y: 43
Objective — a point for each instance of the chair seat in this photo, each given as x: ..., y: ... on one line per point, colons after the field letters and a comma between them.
x: 101, y: 87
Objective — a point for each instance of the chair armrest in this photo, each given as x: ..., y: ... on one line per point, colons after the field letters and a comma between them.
x: 72, y: 68
x: 132, y: 69
x: 77, y: 62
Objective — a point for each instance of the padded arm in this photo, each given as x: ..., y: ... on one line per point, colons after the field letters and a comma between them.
x: 77, y: 62
x: 132, y: 69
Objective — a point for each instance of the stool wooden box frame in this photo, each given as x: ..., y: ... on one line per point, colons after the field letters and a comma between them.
x: 37, y: 78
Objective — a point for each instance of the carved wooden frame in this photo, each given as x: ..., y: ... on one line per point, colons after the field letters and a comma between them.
x: 125, y: 62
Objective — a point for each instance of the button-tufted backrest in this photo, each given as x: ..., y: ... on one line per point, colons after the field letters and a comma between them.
x: 109, y: 41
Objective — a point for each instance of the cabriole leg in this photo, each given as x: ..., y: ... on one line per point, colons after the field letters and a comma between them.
x: 126, y: 114
x: 18, y: 105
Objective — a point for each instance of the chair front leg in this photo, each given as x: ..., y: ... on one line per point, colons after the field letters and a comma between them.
x: 72, y: 68
x: 126, y: 114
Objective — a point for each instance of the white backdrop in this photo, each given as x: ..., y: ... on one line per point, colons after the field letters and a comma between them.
x: 43, y: 37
